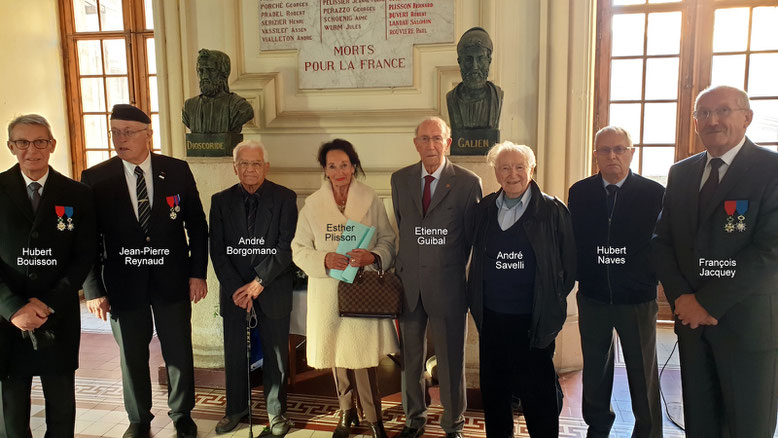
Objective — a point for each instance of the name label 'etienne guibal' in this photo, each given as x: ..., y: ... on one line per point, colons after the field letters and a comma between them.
x: 430, y: 236
x: 605, y: 255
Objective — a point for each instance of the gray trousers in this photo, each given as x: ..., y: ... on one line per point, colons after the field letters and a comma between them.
x: 59, y: 391
x: 448, y: 336
x: 361, y: 382
x: 133, y: 331
x: 274, y: 334
x: 636, y: 326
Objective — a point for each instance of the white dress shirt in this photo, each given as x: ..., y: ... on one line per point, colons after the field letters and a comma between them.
x: 132, y: 181
x: 727, y: 158
x: 506, y: 216
x: 435, y: 174
x: 41, y: 181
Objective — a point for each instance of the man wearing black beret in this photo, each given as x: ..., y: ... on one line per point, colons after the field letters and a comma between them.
x: 147, y: 205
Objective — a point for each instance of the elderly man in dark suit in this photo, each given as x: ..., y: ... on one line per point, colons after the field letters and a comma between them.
x: 47, y: 245
x: 147, y: 205
x: 434, y: 204
x: 717, y: 257
x: 252, y: 226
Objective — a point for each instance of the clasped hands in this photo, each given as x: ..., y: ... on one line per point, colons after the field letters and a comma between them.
x: 356, y: 257
x: 32, y: 315
x: 690, y: 312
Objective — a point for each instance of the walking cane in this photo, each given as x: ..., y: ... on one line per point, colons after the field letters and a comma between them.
x: 251, y: 315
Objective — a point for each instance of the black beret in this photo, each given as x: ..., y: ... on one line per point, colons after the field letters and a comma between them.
x: 124, y: 111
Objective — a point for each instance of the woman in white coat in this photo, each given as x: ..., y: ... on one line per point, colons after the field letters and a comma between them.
x: 352, y: 347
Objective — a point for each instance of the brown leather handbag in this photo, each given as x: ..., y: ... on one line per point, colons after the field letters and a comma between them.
x: 371, y: 295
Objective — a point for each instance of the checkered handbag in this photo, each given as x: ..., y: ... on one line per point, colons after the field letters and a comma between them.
x: 371, y: 295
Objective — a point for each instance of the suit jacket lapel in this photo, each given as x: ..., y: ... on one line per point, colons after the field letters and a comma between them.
x: 160, y: 210
x: 264, y: 212
x: 735, y: 173
x: 51, y: 191
x: 119, y: 183
x: 238, y: 211
x: 444, y: 185
x: 691, y: 193
x: 414, y: 187
x: 18, y: 192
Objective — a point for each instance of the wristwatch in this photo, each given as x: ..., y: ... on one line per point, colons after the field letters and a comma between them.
x: 258, y: 280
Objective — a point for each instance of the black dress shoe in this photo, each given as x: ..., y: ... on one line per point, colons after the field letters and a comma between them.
x: 455, y: 435
x: 411, y: 432
x: 185, y: 428
x: 138, y: 430
x: 377, y: 429
x: 347, y: 419
x: 229, y: 422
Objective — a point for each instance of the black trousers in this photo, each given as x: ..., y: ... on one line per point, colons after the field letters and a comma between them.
x: 636, y: 326
x: 133, y: 331
x: 274, y: 334
x: 509, y: 366
x: 59, y: 391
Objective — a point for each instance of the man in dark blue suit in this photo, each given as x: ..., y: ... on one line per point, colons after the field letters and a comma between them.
x: 147, y: 205
x: 252, y: 226
x: 716, y: 247
x: 47, y: 245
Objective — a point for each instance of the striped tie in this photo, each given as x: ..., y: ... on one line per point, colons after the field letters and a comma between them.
x: 144, y: 209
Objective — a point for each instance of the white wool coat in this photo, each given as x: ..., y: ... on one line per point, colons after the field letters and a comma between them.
x: 333, y: 341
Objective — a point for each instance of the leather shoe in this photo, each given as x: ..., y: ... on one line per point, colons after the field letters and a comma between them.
x: 377, y: 429
x: 457, y: 434
x: 138, y: 430
x: 229, y: 422
x: 281, y: 425
x: 411, y: 432
x: 185, y: 428
x: 347, y: 418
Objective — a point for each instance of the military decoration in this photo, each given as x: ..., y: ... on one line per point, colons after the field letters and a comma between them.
x: 173, y: 202
x: 736, y: 206
x: 64, y: 218
x: 729, y: 207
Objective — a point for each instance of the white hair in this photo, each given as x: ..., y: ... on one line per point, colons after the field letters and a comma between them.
x: 508, y: 146
x: 614, y: 130
x: 742, y: 96
x: 438, y: 120
x: 250, y: 144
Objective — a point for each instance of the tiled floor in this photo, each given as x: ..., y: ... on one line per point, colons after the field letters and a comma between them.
x: 312, y: 406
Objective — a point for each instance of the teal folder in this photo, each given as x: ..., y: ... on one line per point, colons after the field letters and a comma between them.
x: 354, y: 236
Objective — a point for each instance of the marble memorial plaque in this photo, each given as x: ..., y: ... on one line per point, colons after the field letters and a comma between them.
x: 354, y: 43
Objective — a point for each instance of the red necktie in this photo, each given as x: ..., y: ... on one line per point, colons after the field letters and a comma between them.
x: 427, y: 194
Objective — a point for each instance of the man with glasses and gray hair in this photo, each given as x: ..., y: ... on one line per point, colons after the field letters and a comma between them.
x: 614, y: 213
x: 47, y: 245
x: 153, y: 260
x: 252, y: 226
x: 716, y: 248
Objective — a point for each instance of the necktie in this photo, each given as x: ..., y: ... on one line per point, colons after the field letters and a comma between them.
x: 427, y: 194
x: 144, y: 209
x: 251, y: 213
x: 707, y: 190
x: 34, y: 195
x: 612, y: 189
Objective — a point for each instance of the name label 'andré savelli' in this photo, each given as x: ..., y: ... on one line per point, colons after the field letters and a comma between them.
x: 36, y: 257
x: 146, y: 256
x: 605, y: 255
x: 249, y: 246
x: 509, y: 260
x: 717, y: 268
x: 430, y: 236
x: 335, y: 233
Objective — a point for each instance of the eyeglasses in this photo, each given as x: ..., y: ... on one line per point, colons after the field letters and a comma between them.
x: 115, y: 133
x: 252, y: 164
x: 25, y: 144
x: 721, y: 113
x: 435, y: 139
x: 618, y: 150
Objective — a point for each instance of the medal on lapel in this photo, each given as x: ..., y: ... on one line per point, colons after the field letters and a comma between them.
x: 60, y: 210
x: 731, y: 207
x: 64, y: 212
x: 742, y: 207
x: 172, y: 202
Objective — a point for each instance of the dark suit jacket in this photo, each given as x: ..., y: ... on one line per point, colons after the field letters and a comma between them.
x: 747, y: 304
x: 132, y: 287
x: 275, y: 223
x: 57, y: 284
x: 437, y: 272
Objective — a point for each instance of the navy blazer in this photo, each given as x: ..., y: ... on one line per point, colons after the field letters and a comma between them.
x: 275, y: 224
x: 127, y: 285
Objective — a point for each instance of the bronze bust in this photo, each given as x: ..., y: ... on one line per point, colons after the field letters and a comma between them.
x: 475, y: 103
x: 216, y: 109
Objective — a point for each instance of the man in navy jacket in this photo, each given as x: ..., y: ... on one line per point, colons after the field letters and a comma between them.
x: 614, y: 213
